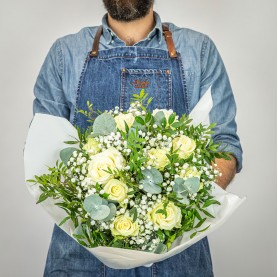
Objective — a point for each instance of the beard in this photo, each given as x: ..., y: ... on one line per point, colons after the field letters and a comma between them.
x: 128, y: 10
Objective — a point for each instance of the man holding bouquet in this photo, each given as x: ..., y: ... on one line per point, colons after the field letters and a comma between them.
x: 133, y: 50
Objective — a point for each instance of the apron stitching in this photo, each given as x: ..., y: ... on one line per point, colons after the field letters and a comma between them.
x: 123, y: 89
x: 154, y: 270
x: 131, y: 57
x: 103, y: 270
x: 170, y: 92
x: 184, y: 85
x: 80, y: 86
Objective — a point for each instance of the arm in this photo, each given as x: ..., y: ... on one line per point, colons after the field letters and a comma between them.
x: 223, y: 111
x: 48, y: 90
x: 228, y: 171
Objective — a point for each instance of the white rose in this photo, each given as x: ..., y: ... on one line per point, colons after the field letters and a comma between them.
x: 122, y: 118
x: 184, y: 145
x: 116, y: 189
x: 91, y: 147
x: 158, y: 158
x: 108, y: 159
x: 173, y: 219
x: 124, y: 226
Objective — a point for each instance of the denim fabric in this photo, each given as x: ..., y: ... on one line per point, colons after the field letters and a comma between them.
x: 57, y: 83
x: 66, y: 258
x: 129, y: 69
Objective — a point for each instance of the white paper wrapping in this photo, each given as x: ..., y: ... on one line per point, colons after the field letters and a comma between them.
x: 45, y: 140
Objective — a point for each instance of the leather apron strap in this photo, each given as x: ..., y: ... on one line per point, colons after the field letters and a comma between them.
x: 166, y: 32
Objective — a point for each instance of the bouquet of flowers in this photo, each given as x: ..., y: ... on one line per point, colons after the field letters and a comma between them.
x: 134, y: 180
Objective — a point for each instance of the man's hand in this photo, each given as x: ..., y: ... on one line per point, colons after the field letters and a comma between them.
x: 228, y: 170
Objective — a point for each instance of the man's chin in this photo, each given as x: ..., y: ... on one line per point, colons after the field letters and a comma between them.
x: 128, y: 11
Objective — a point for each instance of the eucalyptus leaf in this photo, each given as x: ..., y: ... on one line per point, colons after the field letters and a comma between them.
x: 113, y: 210
x: 79, y: 230
x: 152, y: 177
x: 183, y: 198
x: 138, y: 126
x: 66, y: 153
x: 104, y: 124
x: 100, y: 213
x: 153, y: 174
x: 161, y: 248
x: 192, y: 184
x: 159, y: 118
x: 92, y: 202
x: 150, y: 187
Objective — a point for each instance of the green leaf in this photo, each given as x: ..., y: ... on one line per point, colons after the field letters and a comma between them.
x: 161, y: 235
x: 177, y: 124
x: 152, y: 177
x: 64, y: 220
x: 133, y: 212
x: 153, y: 174
x: 66, y: 153
x: 172, y: 118
x: 160, y: 248
x: 71, y: 142
x: 103, y: 125
x: 192, y: 184
x: 100, y: 213
x: 92, y: 202
x: 113, y: 210
x: 139, y: 120
x: 159, y: 117
x: 150, y: 100
x: 197, y: 214
x: 210, y: 202
x: 42, y: 197
x: 150, y: 187
x: 161, y: 211
x: 200, y: 223
x: 207, y: 213
x: 203, y: 230
x: 148, y: 117
x: 193, y: 234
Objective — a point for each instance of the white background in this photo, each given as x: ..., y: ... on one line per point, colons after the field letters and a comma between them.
x: 245, y: 35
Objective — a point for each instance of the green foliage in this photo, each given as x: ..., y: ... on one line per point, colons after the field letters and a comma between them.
x: 99, y: 208
x: 66, y: 153
x: 143, y: 99
x: 103, y: 125
x: 81, y: 210
x: 152, y: 179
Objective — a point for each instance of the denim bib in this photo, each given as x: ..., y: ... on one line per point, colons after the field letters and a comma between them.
x: 110, y: 78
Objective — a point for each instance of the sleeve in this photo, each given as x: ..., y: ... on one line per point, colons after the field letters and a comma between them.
x: 48, y: 91
x: 223, y: 111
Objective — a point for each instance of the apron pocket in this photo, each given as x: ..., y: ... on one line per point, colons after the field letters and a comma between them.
x: 156, y: 82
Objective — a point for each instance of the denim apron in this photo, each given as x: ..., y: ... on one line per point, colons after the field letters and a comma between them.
x: 110, y: 78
